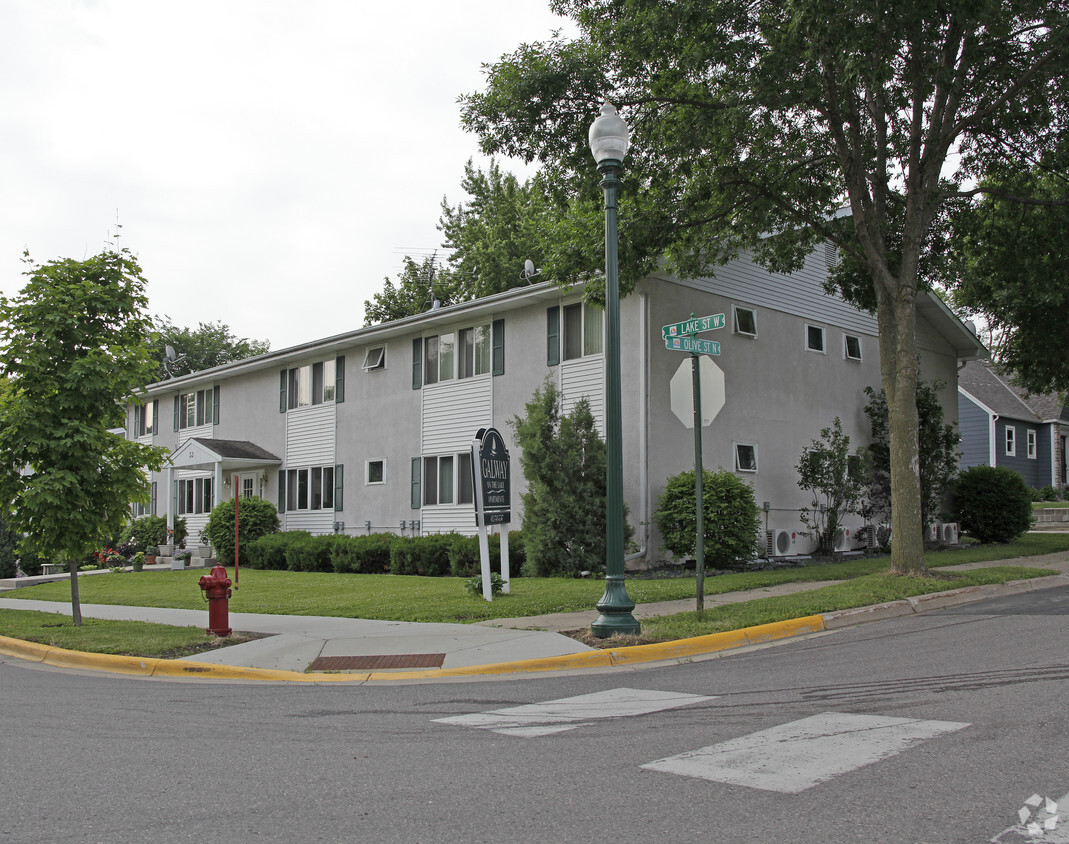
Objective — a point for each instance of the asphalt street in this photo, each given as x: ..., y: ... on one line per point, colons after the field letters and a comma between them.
x: 944, y: 727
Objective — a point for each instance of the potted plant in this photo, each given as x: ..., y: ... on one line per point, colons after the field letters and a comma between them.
x: 181, y: 558
x: 138, y: 561
x: 151, y: 552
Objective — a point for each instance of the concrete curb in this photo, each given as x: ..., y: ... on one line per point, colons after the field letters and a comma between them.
x: 680, y: 650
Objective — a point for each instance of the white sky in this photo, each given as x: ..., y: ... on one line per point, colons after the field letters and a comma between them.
x: 270, y: 161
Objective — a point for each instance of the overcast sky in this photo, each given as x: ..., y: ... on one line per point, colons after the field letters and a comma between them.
x: 270, y: 161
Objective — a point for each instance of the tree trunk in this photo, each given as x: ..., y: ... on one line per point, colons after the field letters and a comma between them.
x: 76, y: 604
x: 899, y: 370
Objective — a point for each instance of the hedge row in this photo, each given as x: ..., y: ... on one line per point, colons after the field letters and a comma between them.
x: 436, y: 555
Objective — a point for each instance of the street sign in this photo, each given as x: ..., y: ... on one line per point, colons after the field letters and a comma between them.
x: 711, y: 396
x: 694, y: 325
x: 692, y: 344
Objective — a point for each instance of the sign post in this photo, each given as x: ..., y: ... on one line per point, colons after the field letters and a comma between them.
x: 678, y: 337
x: 492, y: 478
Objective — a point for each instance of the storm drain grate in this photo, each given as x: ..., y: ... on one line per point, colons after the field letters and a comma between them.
x: 376, y: 663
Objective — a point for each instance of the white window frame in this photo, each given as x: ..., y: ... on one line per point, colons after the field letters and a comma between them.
x: 326, y: 489
x: 367, y: 471
x: 738, y: 463
x: 1033, y: 444
x: 846, y: 347
x: 823, y: 350
x: 459, y: 497
x: 735, y: 311
x: 1010, y: 440
x: 591, y: 330
x: 311, y: 384
x: 374, y: 358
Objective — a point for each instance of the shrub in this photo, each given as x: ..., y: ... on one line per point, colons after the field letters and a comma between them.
x: 145, y: 531
x: 474, y: 585
x: 367, y: 554
x: 1048, y: 493
x: 269, y: 552
x: 730, y: 517
x: 421, y: 555
x: 256, y: 518
x: 311, y: 553
x: 992, y: 504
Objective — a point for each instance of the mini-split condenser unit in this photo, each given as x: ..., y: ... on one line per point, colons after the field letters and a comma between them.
x: 948, y: 533
x: 780, y: 543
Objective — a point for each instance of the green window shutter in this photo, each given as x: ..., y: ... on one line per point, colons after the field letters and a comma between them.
x: 176, y: 398
x: 152, y: 499
x: 282, y: 490
x: 339, y: 484
x: 416, y: 462
x: 283, y: 377
x: 339, y: 382
x: 155, y: 419
x: 417, y: 363
x: 215, y: 405
x: 138, y: 410
x: 553, y: 336
x: 498, y: 354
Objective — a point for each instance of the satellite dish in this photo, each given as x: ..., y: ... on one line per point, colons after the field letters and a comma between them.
x: 529, y: 270
x: 169, y: 352
x: 171, y: 359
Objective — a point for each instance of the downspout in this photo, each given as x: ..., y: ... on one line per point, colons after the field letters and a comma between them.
x: 993, y: 445
x: 644, y: 429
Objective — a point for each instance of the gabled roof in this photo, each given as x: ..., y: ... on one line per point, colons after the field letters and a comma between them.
x: 980, y: 381
x: 205, y: 453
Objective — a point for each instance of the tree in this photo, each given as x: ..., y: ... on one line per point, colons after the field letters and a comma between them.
x: 938, y: 453
x: 72, y: 346
x: 832, y: 478
x: 753, y: 124
x: 419, y: 286
x: 730, y: 517
x: 563, y: 462
x: 209, y: 344
x: 1012, y: 261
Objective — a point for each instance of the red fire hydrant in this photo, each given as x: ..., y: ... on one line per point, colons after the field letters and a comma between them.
x: 216, y: 588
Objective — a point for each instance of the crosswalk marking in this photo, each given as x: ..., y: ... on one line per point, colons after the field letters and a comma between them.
x: 557, y: 716
x: 796, y: 756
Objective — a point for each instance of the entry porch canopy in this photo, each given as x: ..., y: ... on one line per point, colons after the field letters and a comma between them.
x: 218, y: 457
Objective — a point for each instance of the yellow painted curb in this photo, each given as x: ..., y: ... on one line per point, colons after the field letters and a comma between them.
x: 635, y: 655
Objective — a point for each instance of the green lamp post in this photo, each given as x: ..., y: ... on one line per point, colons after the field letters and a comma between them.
x: 609, y: 138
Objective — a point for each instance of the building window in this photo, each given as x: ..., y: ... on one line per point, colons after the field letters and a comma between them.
x: 375, y: 472
x: 447, y: 479
x: 1011, y: 441
x: 814, y: 338
x: 375, y: 358
x: 745, y: 457
x: 744, y: 321
x: 851, y: 347
x: 199, y: 408
x: 145, y: 418
x: 246, y: 487
x: 310, y: 489
x: 1032, y: 445
x: 583, y: 333
x: 311, y: 384
x: 147, y: 509
x: 473, y: 353
x: 195, y: 496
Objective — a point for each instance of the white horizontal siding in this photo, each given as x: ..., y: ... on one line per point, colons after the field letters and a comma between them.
x: 310, y: 435
x: 584, y: 378
x: 313, y: 521
x: 201, y: 432
x: 453, y: 412
x: 445, y: 519
x: 801, y: 293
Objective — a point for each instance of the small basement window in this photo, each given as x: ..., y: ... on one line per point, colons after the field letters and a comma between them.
x: 375, y: 358
x: 814, y: 338
x: 745, y: 457
x: 745, y: 321
x: 851, y: 347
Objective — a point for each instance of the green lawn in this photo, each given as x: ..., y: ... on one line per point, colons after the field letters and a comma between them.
x: 393, y: 597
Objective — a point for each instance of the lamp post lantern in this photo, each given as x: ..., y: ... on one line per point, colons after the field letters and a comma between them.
x: 609, y: 137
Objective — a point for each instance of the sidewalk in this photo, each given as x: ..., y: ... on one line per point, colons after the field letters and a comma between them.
x: 361, y: 650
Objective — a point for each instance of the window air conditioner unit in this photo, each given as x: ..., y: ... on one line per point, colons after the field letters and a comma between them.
x: 779, y: 543
x: 949, y: 533
x: 843, y: 542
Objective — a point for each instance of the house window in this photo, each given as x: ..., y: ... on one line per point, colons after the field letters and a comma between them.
x: 745, y: 457
x: 195, y: 496
x: 1032, y: 446
x: 310, y: 489
x: 477, y: 350
x: 851, y: 347
x: 814, y: 338
x: 582, y: 333
x: 1011, y: 441
x: 145, y: 418
x: 447, y: 478
x: 375, y: 472
x: 446, y: 356
x: 147, y: 509
x: 430, y: 360
x: 744, y: 321
x: 199, y: 408
x: 473, y: 353
x: 375, y: 358
x: 246, y: 487
x: 311, y: 384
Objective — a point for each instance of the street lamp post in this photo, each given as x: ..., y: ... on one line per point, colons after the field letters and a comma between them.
x: 608, y: 142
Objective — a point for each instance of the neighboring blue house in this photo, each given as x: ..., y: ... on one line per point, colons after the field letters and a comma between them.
x: 1002, y: 425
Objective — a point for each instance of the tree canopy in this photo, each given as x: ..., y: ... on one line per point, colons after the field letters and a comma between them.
x: 754, y: 125
x: 209, y: 344
x: 72, y: 347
